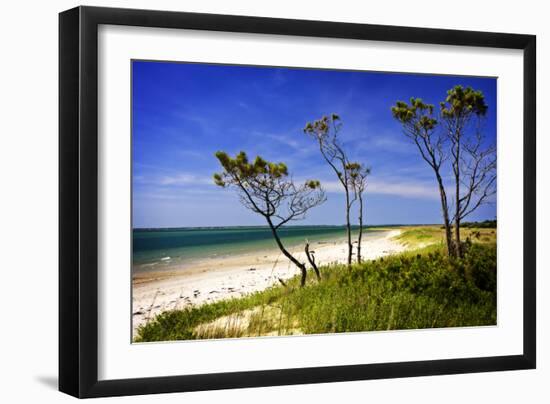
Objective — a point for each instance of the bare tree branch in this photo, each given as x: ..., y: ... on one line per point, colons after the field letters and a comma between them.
x: 473, y: 163
x: 420, y: 126
x: 266, y: 189
x: 325, y: 131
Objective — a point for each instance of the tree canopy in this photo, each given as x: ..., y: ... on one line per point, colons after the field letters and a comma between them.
x: 456, y: 134
x: 462, y: 102
x: 266, y: 188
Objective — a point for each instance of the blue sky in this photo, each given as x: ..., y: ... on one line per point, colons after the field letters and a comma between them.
x: 183, y: 113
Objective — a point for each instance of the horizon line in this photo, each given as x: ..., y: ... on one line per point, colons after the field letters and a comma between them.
x: 303, y: 225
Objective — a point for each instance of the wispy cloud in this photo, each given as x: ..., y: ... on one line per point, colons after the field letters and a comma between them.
x: 380, y: 186
x: 244, y: 105
x: 173, y: 179
x: 196, y: 154
x: 184, y: 179
x: 384, y: 142
x: 283, y: 139
x: 174, y: 195
x: 287, y: 146
x: 404, y: 189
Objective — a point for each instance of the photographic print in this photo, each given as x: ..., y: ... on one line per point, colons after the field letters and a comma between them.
x: 283, y: 201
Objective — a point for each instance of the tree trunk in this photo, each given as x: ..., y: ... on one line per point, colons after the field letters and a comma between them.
x: 360, y: 228
x: 457, y: 199
x: 446, y: 221
x: 288, y: 254
x: 348, y: 227
x: 457, y: 238
x: 344, y: 181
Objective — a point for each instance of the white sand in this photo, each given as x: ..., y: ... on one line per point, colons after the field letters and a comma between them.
x: 224, y: 278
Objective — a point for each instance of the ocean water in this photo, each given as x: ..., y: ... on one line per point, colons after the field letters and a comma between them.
x: 161, y: 249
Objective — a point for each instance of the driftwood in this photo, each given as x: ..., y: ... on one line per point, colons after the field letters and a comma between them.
x: 311, y: 258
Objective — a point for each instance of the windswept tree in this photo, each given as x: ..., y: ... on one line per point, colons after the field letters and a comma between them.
x: 358, y: 174
x: 456, y: 135
x: 325, y: 132
x: 420, y: 125
x: 267, y: 189
x: 473, y: 161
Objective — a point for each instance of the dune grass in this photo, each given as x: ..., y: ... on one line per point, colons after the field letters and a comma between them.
x: 421, y: 236
x: 420, y: 288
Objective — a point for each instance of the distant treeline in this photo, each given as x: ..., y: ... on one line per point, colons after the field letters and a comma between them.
x: 486, y: 224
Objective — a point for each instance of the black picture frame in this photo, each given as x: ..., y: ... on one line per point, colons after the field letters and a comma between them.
x: 78, y: 201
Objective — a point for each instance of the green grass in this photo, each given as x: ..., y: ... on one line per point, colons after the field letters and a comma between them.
x: 422, y: 236
x: 413, y: 290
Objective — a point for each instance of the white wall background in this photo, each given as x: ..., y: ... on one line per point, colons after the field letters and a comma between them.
x: 28, y: 200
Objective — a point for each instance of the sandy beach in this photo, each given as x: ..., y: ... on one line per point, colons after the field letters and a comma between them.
x: 216, y: 279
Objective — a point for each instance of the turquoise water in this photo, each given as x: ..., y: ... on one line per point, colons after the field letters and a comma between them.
x: 157, y: 249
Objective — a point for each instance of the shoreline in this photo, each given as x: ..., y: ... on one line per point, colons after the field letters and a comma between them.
x: 211, y: 280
